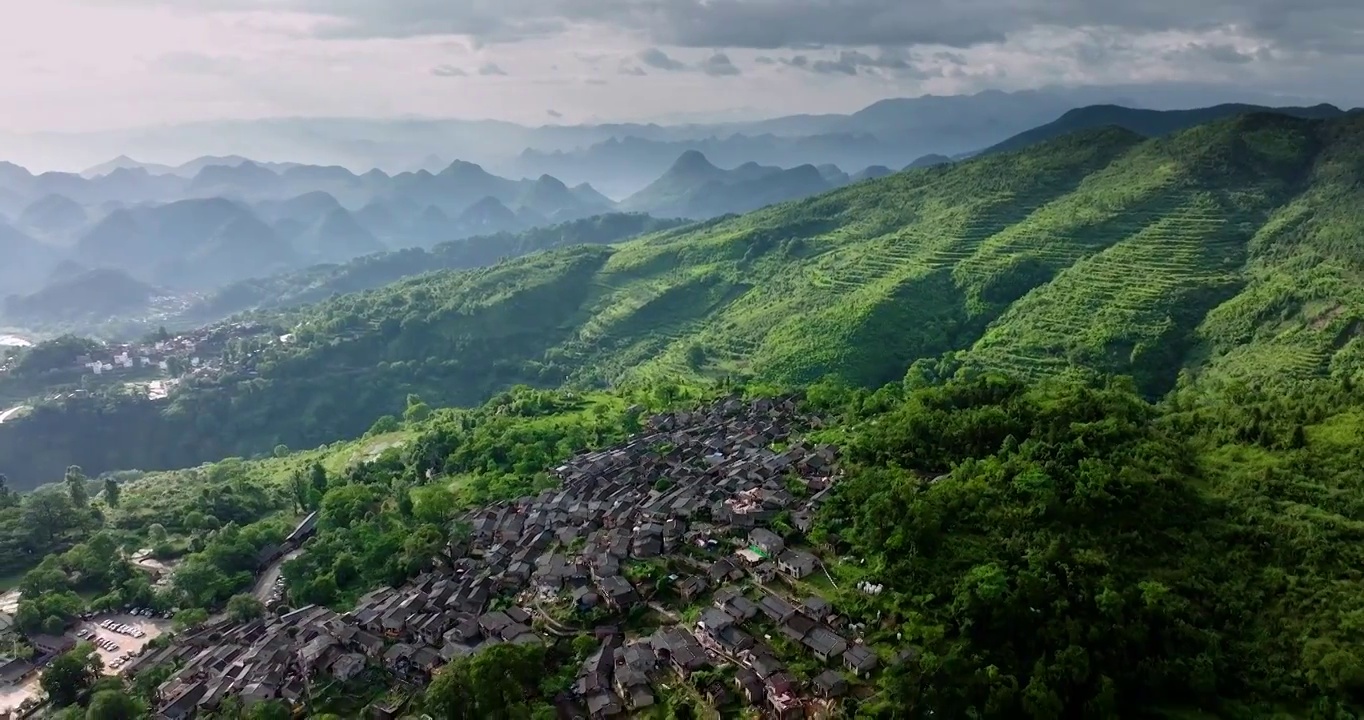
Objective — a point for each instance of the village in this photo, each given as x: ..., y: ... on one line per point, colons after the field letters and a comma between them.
x: 155, y: 366
x: 664, y: 550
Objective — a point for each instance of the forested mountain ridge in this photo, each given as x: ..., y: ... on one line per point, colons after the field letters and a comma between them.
x: 1226, y: 250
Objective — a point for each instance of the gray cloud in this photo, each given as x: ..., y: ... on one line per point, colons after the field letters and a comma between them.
x: 491, y: 69
x: 655, y: 58
x: 718, y: 65
x: 1317, y: 25
x: 1219, y: 53
x: 628, y: 69
x: 554, y: 113
x: 853, y: 62
x: 448, y: 71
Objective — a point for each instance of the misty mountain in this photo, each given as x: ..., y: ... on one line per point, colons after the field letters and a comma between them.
x: 306, y: 208
x: 871, y: 173
x: 488, y: 216
x: 928, y: 161
x: 1150, y: 123
x: 551, y: 198
x: 336, y: 238
x: 123, y: 162
x: 696, y: 188
x: 87, y: 297
x: 26, y: 260
x: 53, y: 215
x: 245, y: 180
x: 186, y: 245
x: 906, y: 128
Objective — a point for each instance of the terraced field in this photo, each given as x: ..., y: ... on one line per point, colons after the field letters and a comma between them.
x: 1230, y: 250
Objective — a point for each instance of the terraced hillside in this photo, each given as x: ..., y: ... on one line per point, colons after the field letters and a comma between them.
x: 1231, y: 250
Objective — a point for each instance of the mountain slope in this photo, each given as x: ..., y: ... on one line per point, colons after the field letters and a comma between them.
x: 695, y: 188
x: 26, y: 261
x: 337, y: 237
x: 1149, y: 123
x: 1097, y: 250
x: 92, y: 295
x: 1229, y: 251
x: 187, y: 244
x: 53, y: 215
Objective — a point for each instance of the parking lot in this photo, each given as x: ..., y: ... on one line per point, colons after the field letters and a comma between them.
x: 116, y: 636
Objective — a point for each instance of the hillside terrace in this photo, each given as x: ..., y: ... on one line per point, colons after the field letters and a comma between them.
x: 692, y: 489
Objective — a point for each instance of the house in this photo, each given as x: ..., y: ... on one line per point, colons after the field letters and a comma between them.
x: 692, y: 587
x: 733, y: 602
x: 797, y: 627
x: 796, y: 563
x: 825, y: 643
x: 777, y: 609
x: 750, y: 687
x: 347, y: 666
x: 618, y: 592
x: 491, y: 624
x: 830, y: 684
x: 860, y: 659
x: 767, y: 541
x: 51, y: 644
x: 724, y: 570
x: 817, y: 608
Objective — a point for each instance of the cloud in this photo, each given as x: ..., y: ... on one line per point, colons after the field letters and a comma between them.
x: 718, y: 65
x: 853, y: 62
x: 628, y: 69
x: 193, y: 63
x: 655, y: 58
x: 554, y: 113
x: 491, y: 69
x: 448, y: 71
x: 1325, y: 26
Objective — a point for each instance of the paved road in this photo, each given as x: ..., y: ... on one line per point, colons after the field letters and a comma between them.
x: 11, y: 412
x: 266, y: 581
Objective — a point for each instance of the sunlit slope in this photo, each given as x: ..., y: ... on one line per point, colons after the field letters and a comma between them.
x: 1231, y: 248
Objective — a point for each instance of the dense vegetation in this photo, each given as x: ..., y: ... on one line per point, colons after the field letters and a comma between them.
x: 321, y: 282
x: 1223, y: 249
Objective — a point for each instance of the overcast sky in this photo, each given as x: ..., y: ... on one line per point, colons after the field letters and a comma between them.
x: 97, y: 64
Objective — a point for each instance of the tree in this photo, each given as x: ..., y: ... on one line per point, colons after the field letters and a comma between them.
x: 71, y: 674
x: 416, y: 411
x: 111, y: 491
x: 114, y: 705
x: 190, y: 617
x: 75, y: 486
x: 317, y: 477
x: 156, y: 533
x: 8, y: 498
x: 268, y: 710
x: 243, y: 608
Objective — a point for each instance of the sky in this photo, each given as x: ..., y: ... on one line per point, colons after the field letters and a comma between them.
x: 78, y: 65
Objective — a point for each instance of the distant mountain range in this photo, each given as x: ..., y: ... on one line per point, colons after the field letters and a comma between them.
x: 215, y: 221
x: 616, y: 158
x: 202, y: 225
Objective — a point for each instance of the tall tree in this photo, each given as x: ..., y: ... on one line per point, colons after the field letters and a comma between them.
x: 71, y: 674
x: 111, y: 492
x: 75, y: 486
x: 114, y: 705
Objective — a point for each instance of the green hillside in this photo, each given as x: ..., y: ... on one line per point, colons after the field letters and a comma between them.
x: 1229, y: 251
x: 1149, y: 123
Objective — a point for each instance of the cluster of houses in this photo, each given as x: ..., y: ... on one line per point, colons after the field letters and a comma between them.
x: 701, y: 488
